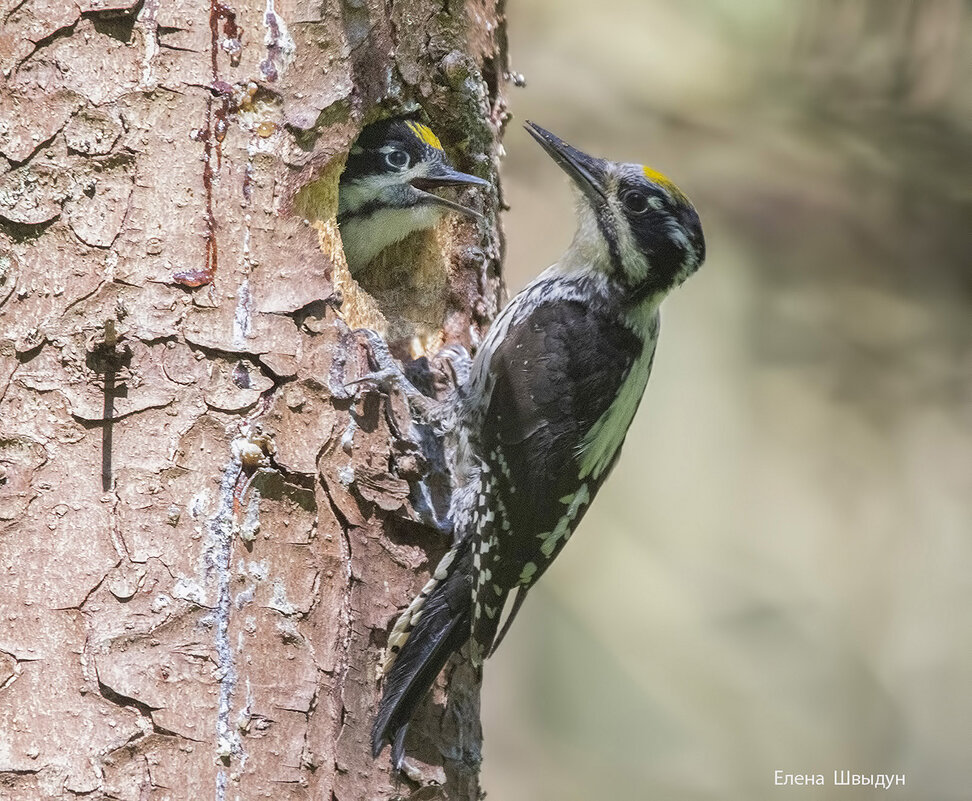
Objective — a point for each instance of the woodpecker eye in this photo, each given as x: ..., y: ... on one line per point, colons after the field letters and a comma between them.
x: 634, y: 201
x: 397, y: 159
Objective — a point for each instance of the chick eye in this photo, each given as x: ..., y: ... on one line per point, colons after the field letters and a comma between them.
x: 634, y: 201
x: 397, y: 159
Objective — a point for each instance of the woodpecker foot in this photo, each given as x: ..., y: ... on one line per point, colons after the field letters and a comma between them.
x: 387, y: 378
x: 452, y: 365
x: 389, y: 375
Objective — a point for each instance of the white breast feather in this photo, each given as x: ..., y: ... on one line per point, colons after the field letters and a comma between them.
x: 605, y: 437
x: 365, y: 239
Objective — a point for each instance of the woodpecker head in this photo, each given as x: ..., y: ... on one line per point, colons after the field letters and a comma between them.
x: 635, y: 224
x: 384, y: 193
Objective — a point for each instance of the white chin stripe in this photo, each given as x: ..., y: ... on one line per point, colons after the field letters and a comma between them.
x: 365, y: 238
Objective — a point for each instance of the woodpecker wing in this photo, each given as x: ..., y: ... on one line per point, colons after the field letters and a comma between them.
x: 555, y: 373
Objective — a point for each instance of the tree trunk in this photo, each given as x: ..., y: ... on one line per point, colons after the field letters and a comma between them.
x: 203, y: 537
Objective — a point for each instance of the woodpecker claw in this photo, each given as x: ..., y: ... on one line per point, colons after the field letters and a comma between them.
x: 383, y: 379
x: 390, y: 375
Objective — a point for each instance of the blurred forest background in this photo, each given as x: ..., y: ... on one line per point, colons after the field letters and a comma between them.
x: 779, y: 573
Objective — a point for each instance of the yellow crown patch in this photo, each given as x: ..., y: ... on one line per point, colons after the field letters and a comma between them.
x: 424, y: 133
x: 664, y: 182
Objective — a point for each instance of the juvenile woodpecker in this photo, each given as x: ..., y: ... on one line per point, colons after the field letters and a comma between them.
x: 540, y: 421
x: 383, y: 195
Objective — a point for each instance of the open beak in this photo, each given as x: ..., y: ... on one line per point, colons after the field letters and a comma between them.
x: 588, y: 172
x: 442, y: 175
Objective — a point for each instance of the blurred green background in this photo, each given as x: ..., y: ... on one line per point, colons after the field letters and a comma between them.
x: 779, y: 573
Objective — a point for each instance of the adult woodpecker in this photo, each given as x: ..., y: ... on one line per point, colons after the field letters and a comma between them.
x: 540, y: 421
x: 383, y: 195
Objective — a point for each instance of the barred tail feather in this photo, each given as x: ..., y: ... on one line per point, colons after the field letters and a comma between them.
x: 436, y: 629
x: 413, y: 612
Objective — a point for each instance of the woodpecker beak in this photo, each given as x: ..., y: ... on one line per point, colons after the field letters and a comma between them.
x: 588, y: 173
x: 441, y: 175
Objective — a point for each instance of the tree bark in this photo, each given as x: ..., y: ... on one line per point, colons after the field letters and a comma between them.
x: 204, y: 538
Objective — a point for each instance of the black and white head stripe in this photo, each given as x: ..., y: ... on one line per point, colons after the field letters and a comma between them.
x: 392, y: 146
x: 386, y: 188
x: 651, y: 234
